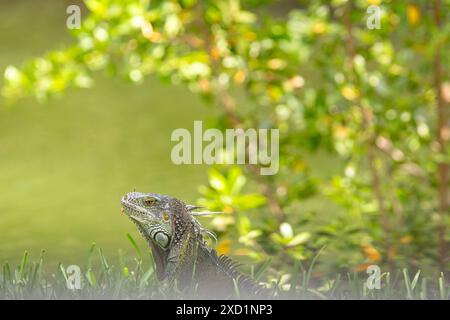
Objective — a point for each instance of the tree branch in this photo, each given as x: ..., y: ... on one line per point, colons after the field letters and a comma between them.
x: 229, y: 105
x: 367, y: 120
x: 442, y: 139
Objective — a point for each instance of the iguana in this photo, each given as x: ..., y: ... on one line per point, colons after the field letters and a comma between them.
x: 179, y: 250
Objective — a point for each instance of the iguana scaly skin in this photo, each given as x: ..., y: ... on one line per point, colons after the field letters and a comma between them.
x: 180, y: 252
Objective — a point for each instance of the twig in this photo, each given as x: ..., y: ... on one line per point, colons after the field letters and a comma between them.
x: 371, y: 148
x: 442, y: 139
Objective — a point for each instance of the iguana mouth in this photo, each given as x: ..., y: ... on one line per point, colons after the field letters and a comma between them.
x: 132, y: 210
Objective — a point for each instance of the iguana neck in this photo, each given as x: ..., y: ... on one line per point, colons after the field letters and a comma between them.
x: 177, y: 261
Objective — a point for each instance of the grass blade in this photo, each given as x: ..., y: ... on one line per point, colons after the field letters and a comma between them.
x: 407, y: 284
x: 37, y: 270
x: 294, y: 278
x: 90, y: 256
x: 311, y: 266
x: 90, y: 276
x: 23, y: 265
x: 442, y: 294
x: 135, y: 246
x: 415, y: 280
x: 145, y: 277
x: 6, y: 272
x: 263, y: 269
x: 236, y: 289
x: 423, y: 291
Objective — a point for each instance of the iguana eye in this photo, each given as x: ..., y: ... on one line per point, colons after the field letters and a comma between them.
x: 149, y: 202
x: 165, y: 216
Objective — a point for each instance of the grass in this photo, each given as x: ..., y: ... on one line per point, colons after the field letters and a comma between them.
x: 135, y: 278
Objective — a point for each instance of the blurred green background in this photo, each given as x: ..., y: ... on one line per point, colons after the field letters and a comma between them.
x: 64, y: 165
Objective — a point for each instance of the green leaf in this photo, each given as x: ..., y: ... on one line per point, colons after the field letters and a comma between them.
x: 172, y: 26
x: 286, y: 230
x: 299, y: 239
x: 250, y: 201
x: 236, y: 180
x: 99, y: 7
x: 217, y: 180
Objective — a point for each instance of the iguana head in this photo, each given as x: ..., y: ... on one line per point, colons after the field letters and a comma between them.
x: 154, y: 215
x: 163, y: 221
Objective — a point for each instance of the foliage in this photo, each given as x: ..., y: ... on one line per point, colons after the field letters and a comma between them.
x: 367, y: 98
